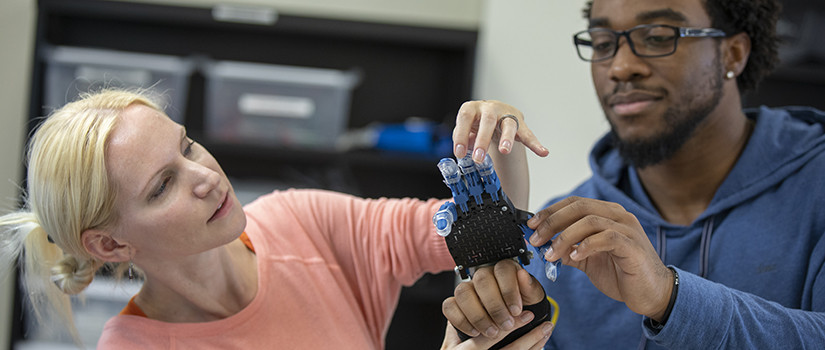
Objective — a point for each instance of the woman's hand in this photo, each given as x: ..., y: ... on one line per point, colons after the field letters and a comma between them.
x: 480, y: 123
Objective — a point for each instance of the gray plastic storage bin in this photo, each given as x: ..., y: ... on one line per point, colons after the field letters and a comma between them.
x: 276, y: 105
x: 74, y: 70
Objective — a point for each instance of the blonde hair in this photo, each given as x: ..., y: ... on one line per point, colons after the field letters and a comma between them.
x: 68, y: 192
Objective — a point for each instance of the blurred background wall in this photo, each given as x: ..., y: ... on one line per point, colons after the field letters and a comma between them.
x: 527, y: 59
x: 16, y: 44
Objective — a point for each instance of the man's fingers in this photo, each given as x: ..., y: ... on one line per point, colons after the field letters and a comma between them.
x: 451, y: 339
x: 531, y: 290
x: 489, y: 293
x: 569, y: 239
x: 534, y: 339
x: 506, y: 272
x: 574, y: 219
x: 456, y: 317
x: 475, y: 310
x: 489, y: 303
x: 453, y: 342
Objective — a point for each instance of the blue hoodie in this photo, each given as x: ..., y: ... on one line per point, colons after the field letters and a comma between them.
x: 750, y: 266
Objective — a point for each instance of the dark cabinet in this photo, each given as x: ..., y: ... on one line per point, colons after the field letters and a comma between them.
x: 800, y: 77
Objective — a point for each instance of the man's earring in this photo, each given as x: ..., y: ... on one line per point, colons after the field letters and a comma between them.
x: 730, y: 74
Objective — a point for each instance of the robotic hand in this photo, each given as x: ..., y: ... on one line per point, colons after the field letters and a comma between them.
x: 483, y: 227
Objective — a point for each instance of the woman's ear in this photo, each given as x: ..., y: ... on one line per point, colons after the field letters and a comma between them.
x: 737, y: 51
x: 102, y: 246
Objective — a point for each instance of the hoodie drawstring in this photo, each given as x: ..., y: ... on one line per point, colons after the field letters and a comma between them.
x: 661, y: 244
x: 704, y: 249
x: 704, y: 256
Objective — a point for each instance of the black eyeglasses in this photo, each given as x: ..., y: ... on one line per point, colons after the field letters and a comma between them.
x: 649, y: 40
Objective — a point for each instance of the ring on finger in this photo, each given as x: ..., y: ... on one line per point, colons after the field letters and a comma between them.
x: 508, y: 116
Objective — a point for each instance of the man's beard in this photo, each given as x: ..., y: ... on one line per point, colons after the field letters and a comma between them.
x: 680, y: 122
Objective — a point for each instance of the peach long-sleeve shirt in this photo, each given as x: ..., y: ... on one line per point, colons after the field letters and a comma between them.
x: 330, y: 271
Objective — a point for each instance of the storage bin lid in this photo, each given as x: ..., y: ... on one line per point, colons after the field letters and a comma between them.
x: 280, y: 73
x: 101, y: 57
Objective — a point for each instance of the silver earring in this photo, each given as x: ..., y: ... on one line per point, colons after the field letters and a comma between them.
x: 730, y: 74
x: 131, y: 273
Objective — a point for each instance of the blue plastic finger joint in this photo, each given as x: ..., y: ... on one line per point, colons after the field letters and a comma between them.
x: 444, y: 219
x: 551, y: 269
x: 489, y: 178
x: 452, y: 177
x: 474, y: 183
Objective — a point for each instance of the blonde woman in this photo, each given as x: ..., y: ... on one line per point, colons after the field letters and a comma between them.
x: 113, y: 181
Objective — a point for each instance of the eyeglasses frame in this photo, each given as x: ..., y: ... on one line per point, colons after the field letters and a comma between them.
x: 684, y: 32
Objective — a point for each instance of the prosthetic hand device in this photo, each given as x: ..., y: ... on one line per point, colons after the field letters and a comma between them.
x: 483, y: 227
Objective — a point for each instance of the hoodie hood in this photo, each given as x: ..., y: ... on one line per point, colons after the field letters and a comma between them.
x: 788, y: 138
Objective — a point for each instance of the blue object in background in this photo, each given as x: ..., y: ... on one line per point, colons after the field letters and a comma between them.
x: 424, y: 137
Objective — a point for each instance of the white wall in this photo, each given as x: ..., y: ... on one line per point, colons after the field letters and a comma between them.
x: 527, y: 59
x: 16, y: 40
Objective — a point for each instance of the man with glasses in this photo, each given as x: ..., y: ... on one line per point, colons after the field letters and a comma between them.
x: 702, y: 224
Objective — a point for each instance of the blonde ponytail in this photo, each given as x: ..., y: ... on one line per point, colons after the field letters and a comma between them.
x: 26, y: 243
x: 72, y: 275
x: 68, y: 192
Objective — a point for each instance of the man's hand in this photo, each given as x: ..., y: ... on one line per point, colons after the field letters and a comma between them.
x: 491, y: 306
x: 609, y: 245
x: 534, y: 340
